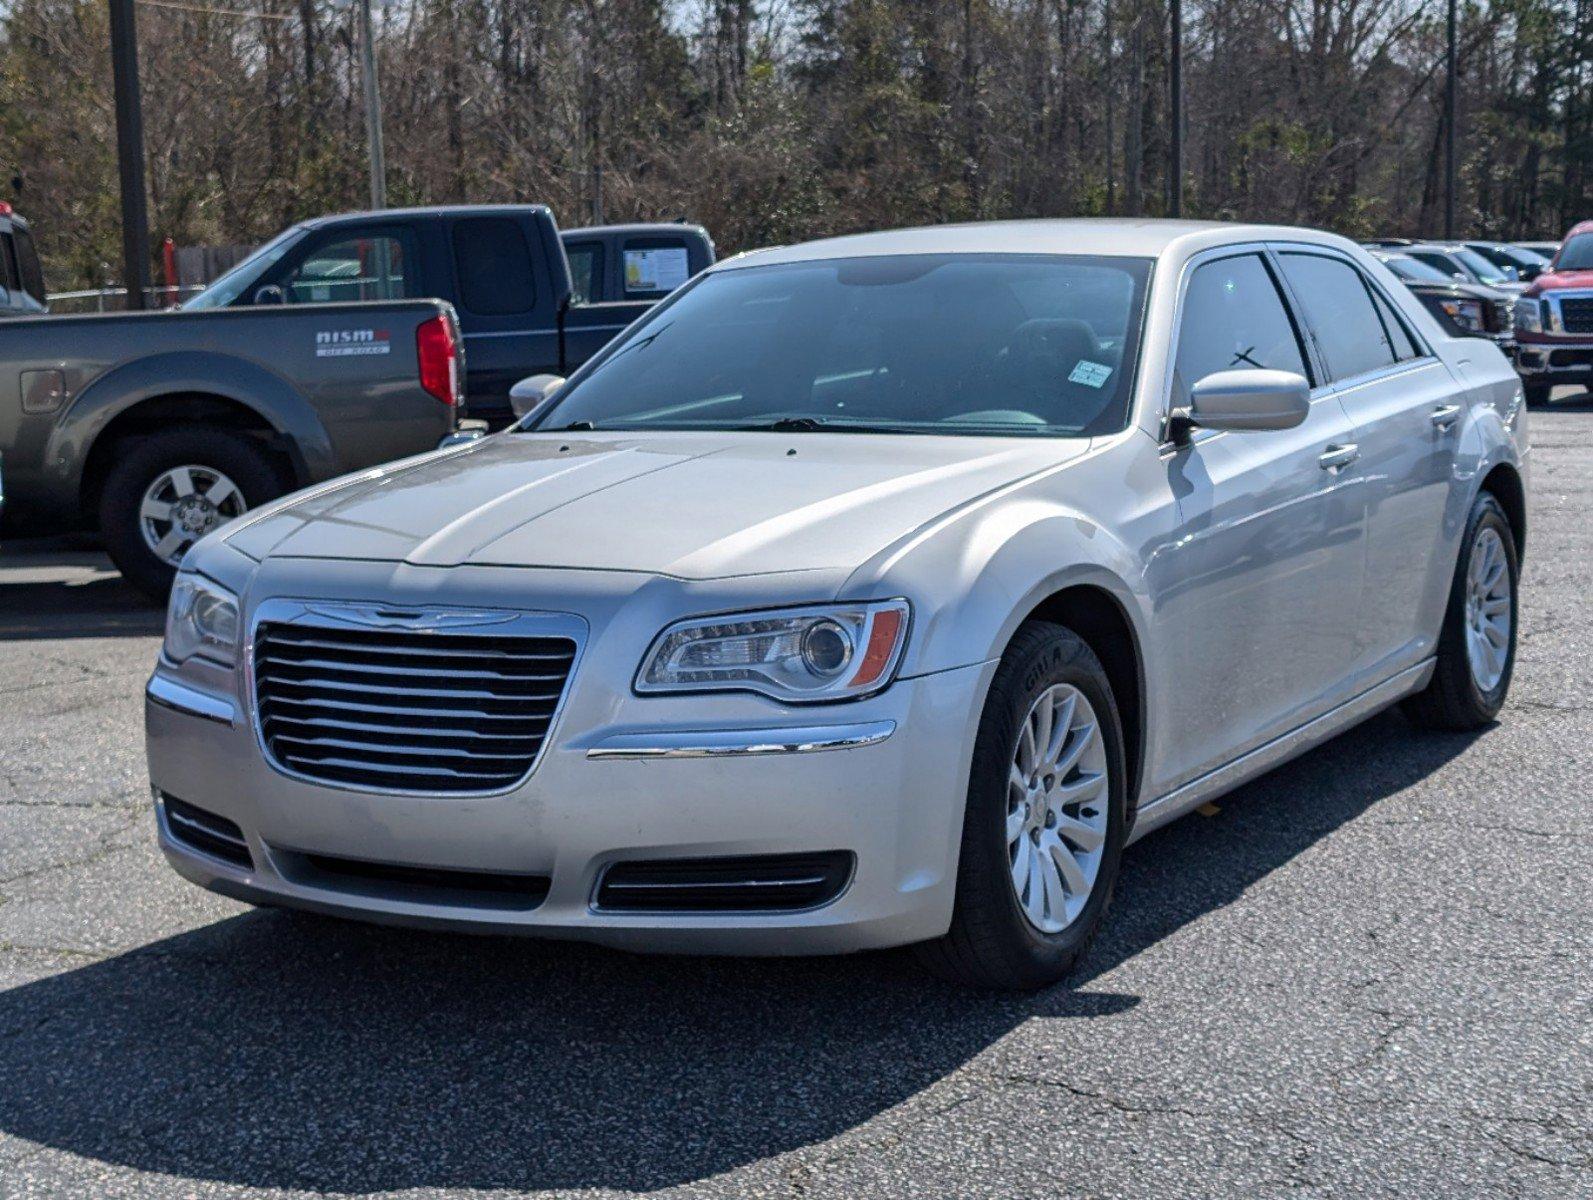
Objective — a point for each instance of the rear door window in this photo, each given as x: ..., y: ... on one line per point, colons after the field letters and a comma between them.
x: 365, y: 266
x: 586, y: 271
x: 1234, y: 320
x: 1404, y: 344
x: 10, y: 279
x: 30, y: 272
x: 494, y: 266
x: 1338, y: 307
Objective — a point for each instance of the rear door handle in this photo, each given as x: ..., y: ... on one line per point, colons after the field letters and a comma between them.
x: 1444, y: 416
x: 1336, y: 457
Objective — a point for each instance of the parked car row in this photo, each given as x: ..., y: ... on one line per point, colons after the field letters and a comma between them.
x: 343, y: 343
x: 1533, y: 299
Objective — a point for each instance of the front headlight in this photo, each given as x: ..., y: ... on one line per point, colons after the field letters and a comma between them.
x: 1465, y: 313
x: 1529, y: 317
x: 202, y: 618
x: 798, y: 655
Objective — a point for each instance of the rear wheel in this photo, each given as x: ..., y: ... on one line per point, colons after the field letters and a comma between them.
x: 1477, y: 646
x: 1044, y: 826
x: 173, y: 488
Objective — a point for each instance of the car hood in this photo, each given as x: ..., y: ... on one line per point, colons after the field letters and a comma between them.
x: 1554, y: 281
x: 695, y: 506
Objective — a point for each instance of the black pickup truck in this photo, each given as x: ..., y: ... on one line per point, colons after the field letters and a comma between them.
x: 502, y: 267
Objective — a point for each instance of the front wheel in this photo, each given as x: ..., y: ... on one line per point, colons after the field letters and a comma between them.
x: 1044, y: 826
x: 1537, y: 394
x: 1477, y: 646
x: 173, y: 488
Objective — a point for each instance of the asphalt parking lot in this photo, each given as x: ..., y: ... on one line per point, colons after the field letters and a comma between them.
x: 1369, y: 973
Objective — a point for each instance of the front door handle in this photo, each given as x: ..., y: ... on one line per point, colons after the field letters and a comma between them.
x: 1445, y: 416
x: 1336, y: 457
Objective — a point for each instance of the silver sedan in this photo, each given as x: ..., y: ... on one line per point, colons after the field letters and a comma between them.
x: 867, y: 592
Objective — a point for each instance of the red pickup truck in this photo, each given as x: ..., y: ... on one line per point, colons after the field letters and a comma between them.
x: 1554, y: 320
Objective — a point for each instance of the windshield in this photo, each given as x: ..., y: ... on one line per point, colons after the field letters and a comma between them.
x: 945, y: 344
x: 228, y: 287
x: 1407, y: 267
x: 1481, y: 267
x: 1576, y: 254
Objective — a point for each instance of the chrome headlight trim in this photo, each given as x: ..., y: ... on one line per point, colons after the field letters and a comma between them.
x: 769, y: 652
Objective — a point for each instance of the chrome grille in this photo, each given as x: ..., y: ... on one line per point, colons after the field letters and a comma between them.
x: 407, y: 710
x: 1576, y: 313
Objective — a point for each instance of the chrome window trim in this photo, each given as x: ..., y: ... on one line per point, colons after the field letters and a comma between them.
x: 447, y: 620
x: 742, y: 743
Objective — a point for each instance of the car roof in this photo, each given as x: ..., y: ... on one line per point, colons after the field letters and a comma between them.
x: 1100, y: 236
x: 430, y: 210
x: 635, y: 229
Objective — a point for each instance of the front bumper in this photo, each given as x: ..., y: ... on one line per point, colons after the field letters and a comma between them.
x: 1555, y: 362
x: 704, y: 777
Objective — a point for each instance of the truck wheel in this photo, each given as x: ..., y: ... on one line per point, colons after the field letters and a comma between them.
x: 1537, y: 394
x: 1044, y: 826
x: 170, y: 490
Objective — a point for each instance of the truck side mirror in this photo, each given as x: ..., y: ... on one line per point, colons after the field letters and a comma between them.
x: 533, y: 393
x: 269, y: 294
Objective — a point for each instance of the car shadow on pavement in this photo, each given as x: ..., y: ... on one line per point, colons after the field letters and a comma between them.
x: 288, y: 1051
x: 65, y: 587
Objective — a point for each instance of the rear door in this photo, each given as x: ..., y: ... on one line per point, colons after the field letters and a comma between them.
x: 1264, y: 578
x: 1404, y: 404
x: 507, y: 301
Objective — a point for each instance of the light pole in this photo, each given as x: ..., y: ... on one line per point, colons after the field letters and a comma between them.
x: 1175, y: 166
x: 373, y: 97
x: 1449, y: 128
x: 130, y: 152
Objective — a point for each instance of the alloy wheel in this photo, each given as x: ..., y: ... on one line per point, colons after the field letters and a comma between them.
x: 1489, y: 610
x: 1057, y: 801
x: 182, y: 505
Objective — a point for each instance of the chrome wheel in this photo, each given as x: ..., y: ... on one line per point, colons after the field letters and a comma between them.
x: 182, y: 505
x: 1489, y: 610
x: 1057, y: 800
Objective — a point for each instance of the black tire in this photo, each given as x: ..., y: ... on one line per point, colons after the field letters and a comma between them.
x: 990, y: 943
x: 1537, y: 394
x: 234, y: 455
x: 1453, y: 699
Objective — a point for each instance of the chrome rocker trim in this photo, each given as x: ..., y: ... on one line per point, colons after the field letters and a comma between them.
x: 723, y: 743
x: 168, y: 693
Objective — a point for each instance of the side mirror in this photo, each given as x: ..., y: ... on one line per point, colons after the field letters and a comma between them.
x: 1241, y: 400
x: 269, y: 294
x: 532, y: 393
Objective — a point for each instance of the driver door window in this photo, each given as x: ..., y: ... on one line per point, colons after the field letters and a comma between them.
x: 1234, y: 320
x: 365, y: 267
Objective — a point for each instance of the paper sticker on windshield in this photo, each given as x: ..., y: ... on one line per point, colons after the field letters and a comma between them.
x: 1090, y: 374
x: 351, y: 343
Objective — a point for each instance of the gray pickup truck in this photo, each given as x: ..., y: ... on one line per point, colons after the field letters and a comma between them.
x: 159, y: 426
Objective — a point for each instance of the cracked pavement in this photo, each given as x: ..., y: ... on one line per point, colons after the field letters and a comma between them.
x: 1370, y: 973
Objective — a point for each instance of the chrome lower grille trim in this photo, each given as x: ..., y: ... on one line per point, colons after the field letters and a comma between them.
x: 431, y: 701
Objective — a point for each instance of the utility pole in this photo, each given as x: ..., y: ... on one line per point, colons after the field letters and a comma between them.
x: 1450, y: 84
x: 373, y: 106
x: 130, y: 152
x: 1175, y: 165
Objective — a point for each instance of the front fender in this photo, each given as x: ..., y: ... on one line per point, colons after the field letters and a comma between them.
x: 974, y: 580
x: 225, y: 376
